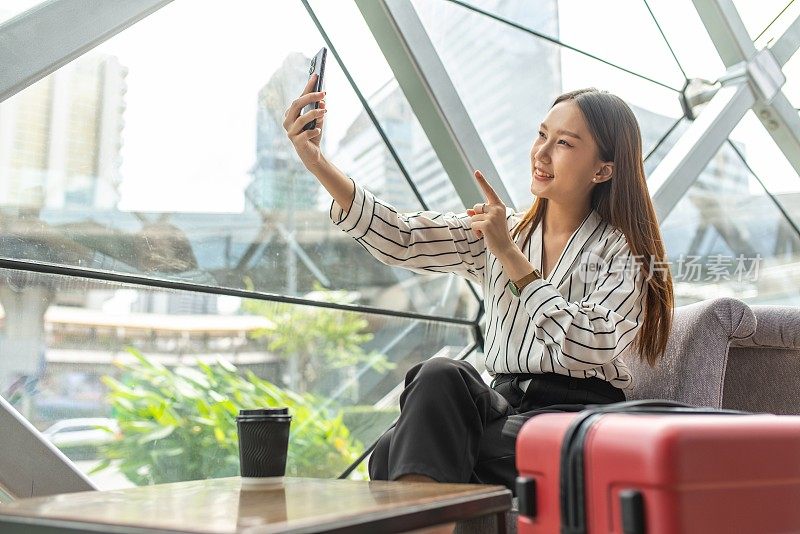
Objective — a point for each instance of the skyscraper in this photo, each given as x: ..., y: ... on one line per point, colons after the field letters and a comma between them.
x: 280, y: 180
x: 60, y: 139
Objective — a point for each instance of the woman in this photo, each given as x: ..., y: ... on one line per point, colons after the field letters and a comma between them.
x: 571, y: 287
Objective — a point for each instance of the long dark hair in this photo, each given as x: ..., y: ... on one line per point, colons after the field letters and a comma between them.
x: 624, y: 202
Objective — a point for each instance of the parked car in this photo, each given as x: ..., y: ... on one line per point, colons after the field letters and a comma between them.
x: 82, y: 436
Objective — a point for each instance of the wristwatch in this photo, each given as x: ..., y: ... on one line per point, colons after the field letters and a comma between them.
x: 516, y: 287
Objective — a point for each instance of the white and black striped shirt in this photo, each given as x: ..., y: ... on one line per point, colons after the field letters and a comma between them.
x: 580, y: 321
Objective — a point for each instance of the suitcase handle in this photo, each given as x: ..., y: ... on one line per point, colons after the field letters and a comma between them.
x: 573, y: 514
x: 660, y: 406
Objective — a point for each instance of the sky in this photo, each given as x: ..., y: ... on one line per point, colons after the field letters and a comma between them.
x: 195, y: 70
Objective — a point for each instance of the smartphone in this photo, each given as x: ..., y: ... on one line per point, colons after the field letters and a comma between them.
x: 318, y: 68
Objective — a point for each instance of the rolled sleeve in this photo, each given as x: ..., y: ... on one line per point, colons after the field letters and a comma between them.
x: 422, y: 242
x: 356, y: 221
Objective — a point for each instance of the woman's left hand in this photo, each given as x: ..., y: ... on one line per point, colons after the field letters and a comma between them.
x: 489, y: 219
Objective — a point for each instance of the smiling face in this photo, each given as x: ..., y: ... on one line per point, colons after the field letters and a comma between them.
x: 565, y: 158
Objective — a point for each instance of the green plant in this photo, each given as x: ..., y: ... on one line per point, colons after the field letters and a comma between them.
x: 316, y: 340
x: 180, y: 424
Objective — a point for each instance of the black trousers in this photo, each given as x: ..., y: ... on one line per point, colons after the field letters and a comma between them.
x: 455, y: 428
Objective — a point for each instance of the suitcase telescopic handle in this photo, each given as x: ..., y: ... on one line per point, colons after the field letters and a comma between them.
x: 660, y: 406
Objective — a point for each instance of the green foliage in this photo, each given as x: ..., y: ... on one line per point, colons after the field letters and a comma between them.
x: 180, y: 424
x: 317, y: 339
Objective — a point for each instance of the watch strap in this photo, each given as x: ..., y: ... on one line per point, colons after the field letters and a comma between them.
x: 516, y: 286
x: 528, y: 278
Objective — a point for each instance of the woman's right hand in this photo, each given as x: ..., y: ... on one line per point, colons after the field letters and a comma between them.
x: 306, y: 142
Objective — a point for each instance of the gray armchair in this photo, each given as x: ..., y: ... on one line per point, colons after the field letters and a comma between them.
x: 725, y: 354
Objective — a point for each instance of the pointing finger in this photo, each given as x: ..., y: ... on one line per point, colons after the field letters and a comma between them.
x: 488, y: 192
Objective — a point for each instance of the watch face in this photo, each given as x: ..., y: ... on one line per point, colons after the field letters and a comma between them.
x: 513, y: 288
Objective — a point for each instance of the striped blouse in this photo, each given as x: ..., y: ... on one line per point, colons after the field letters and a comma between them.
x: 580, y: 321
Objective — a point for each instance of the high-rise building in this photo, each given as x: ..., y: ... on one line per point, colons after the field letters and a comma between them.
x: 60, y: 139
x: 367, y: 159
x: 280, y: 180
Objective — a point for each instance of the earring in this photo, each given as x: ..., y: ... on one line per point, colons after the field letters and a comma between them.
x: 594, y: 179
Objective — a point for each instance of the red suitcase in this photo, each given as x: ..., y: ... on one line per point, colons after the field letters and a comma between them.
x: 658, y: 467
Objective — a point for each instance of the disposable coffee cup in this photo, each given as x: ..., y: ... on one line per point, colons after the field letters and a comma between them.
x: 263, y: 444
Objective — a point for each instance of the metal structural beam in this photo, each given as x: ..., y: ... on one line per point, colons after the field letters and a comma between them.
x: 726, y: 30
x: 686, y: 160
x: 753, y: 81
x: 423, y: 78
x: 31, y: 466
x: 787, y: 44
x: 782, y: 122
x: 50, y: 35
x: 772, y: 108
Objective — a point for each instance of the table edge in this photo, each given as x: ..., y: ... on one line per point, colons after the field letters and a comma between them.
x: 495, y: 501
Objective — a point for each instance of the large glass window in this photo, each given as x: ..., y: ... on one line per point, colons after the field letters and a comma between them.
x: 726, y: 237
x: 122, y: 162
x: 147, y: 381
x: 168, y: 161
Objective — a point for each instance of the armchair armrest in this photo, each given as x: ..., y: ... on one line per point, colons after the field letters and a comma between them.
x: 764, y: 369
x: 693, y: 367
x: 777, y: 327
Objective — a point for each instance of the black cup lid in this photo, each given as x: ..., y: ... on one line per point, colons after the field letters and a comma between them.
x: 264, y: 411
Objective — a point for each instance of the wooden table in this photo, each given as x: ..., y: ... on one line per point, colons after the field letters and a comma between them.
x: 295, y: 505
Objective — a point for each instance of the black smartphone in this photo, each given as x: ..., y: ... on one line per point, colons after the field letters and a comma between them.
x: 318, y: 68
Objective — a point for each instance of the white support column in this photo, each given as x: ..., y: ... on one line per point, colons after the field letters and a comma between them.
x: 421, y: 75
x: 726, y: 30
x: 55, y: 32
x: 782, y: 121
x: 788, y: 43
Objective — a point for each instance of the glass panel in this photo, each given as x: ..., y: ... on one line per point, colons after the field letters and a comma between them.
x: 475, y: 357
x: 367, y: 65
x: 765, y: 157
x: 726, y: 238
x: 772, y: 168
x: 792, y: 86
x: 757, y: 16
x: 11, y: 8
x: 120, y: 162
x: 688, y: 38
x: 486, y: 74
x: 661, y: 146
x: 151, y: 379
x: 575, y: 23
